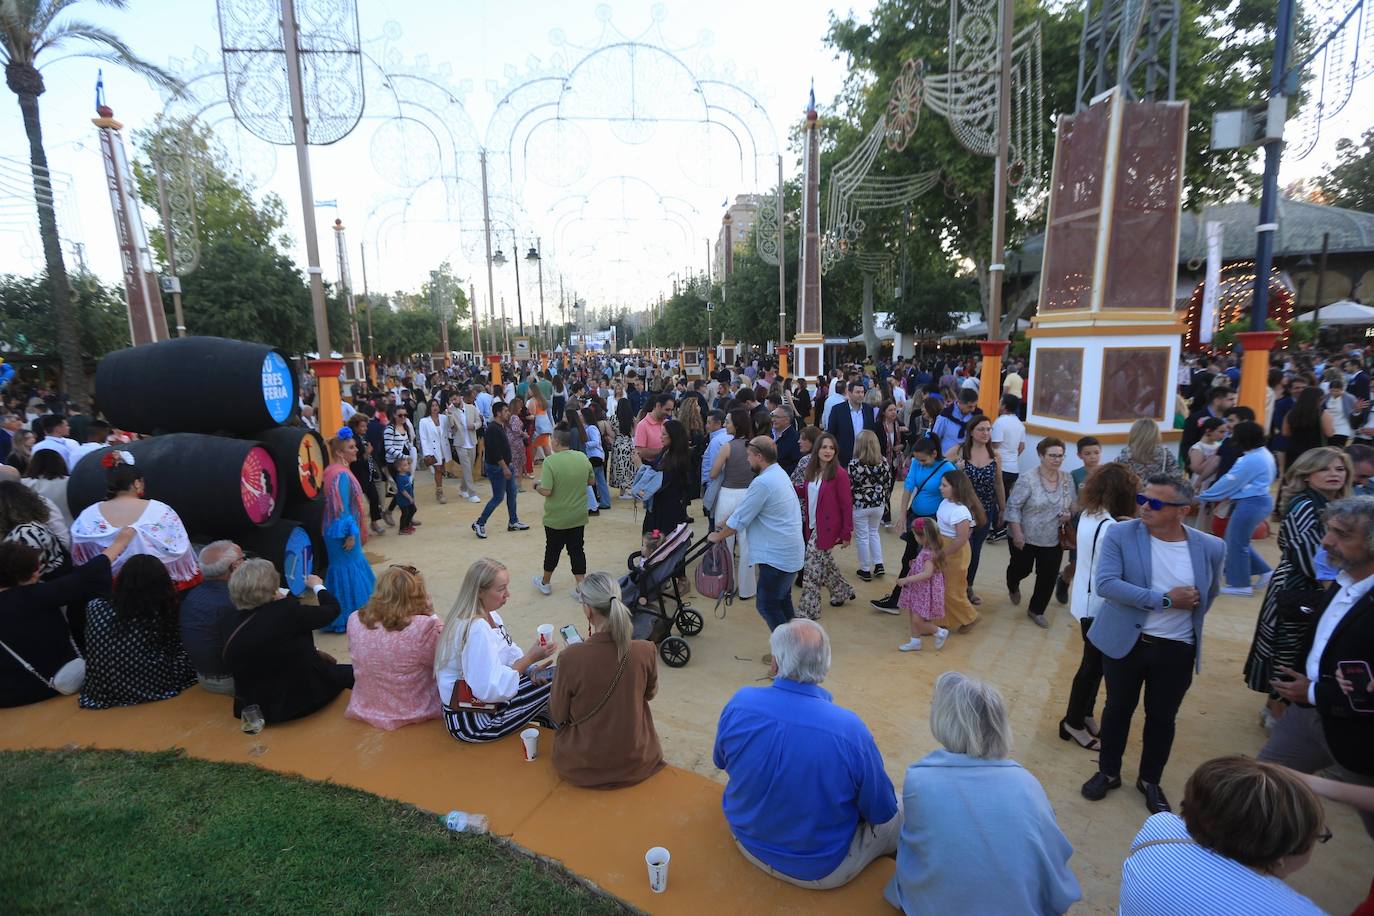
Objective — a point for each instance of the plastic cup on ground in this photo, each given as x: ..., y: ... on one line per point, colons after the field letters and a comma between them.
x: 530, y: 737
x: 545, y: 632
x: 252, y: 719
x: 657, y: 860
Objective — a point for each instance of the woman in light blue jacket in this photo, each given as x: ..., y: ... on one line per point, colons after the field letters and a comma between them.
x: 1247, y: 486
x: 978, y: 833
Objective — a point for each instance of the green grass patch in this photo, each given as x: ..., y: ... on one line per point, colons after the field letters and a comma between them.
x: 118, y: 832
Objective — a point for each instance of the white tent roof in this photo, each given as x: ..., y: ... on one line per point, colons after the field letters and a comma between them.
x: 1347, y: 312
x: 980, y: 328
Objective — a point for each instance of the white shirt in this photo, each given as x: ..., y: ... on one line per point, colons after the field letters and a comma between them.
x: 1350, y: 594
x: 1008, y: 435
x: 485, y: 663
x: 949, y: 515
x: 1171, y: 566
x: 348, y: 410
x: 63, y: 446
x: 1083, y: 603
x: 856, y: 418
x: 813, y: 496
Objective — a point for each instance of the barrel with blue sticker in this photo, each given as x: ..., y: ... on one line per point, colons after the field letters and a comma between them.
x: 196, y: 385
x: 298, y: 560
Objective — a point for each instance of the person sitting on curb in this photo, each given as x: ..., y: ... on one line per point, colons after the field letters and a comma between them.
x: 808, y: 800
x: 208, y: 616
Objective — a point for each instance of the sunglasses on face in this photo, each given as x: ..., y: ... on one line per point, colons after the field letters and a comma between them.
x: 1156, y: 504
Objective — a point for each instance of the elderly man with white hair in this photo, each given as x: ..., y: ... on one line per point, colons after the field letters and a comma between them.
x: 808, y: 799
x: 978, y: 833
x: 208, y: 616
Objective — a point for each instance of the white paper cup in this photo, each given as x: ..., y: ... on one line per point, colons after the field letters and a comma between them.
x: 657, y: 860
x: 530, y: 737
x: 545, y: 632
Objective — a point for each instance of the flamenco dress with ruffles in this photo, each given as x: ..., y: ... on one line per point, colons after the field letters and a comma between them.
x: 349, y: 577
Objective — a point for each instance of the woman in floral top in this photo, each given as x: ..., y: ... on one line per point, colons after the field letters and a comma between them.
x: 391, y: 643
x: 1039, y: 503
x: 870, y: 480
x: 158, y: 529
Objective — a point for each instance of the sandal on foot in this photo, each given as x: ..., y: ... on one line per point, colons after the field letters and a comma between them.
x: 1079, y: 736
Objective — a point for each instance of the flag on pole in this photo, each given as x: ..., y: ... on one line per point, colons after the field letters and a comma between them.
x: 811, y: 105
x: 327, y: 203
x: 99, y: 90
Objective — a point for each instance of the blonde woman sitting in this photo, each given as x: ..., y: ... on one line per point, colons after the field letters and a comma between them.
x: 391, y: 641
x: 484, y: 679
x: 601, y: 693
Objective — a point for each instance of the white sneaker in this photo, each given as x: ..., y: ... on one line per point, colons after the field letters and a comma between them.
x: 940, y: 636
x: 1244, y: 592
x: 473, y: 498
x: 624, y: 496
x: 544, y: 587
x: 1264, y: 578
x: 911, y: 645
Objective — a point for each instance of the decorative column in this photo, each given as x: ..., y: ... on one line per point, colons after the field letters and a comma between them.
x: 147, y: 318
x: 1254, y: 368
x: 330, y: 410
x: 810, y: 342
x: 353, y: 368
x: 728, y: 249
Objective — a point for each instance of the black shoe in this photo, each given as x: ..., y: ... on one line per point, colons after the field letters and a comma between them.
x: 998, y: 535
x: 479, y: 529
x: 878, y: 571
x: 887, y: 605
x: 1096, y: 789
x: 1015, y: 595
x: 1154, y: 796
x: 1061, y: 590
x: 865, y: 575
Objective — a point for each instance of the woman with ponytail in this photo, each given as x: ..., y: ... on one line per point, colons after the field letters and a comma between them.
x: 601, y: 693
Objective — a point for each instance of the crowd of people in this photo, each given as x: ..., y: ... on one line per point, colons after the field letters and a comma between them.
x: 116, y: 605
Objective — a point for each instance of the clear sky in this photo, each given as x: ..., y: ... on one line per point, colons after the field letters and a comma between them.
x: 615, y: 218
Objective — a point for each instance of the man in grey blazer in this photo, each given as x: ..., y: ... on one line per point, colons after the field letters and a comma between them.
x: 1157, y: 578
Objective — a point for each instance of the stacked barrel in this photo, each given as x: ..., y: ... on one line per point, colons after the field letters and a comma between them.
x: 217, y: 449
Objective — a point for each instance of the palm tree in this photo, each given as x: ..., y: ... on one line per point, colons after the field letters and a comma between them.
x: 29, y: 28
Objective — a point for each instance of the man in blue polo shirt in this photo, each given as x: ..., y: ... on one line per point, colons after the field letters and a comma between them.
x: 808, y: 799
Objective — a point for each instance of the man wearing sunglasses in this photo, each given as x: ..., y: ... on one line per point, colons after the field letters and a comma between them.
x: 1157, y: 579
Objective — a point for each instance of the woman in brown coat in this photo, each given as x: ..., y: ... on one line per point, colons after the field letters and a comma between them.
x: 601, y: 695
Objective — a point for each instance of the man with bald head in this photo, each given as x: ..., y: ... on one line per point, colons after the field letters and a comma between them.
x: 770, y: 512
x: 208, y: 617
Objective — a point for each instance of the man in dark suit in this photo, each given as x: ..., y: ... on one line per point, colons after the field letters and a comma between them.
x: 1330, y: 725
x: 1157, y: 579
x: 785, y: 437
x: 849, y: 418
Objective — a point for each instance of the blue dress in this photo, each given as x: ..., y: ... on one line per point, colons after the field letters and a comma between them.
x: 349, y: 577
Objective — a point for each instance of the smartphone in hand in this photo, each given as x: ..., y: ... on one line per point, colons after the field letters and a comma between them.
x: 1358, y: 674
x: 570, y: 635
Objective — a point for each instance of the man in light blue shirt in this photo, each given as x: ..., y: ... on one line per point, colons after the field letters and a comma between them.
x: 717, y: 435
x: 808, y: 800
x: 771, y: 513
x: 483, y: 402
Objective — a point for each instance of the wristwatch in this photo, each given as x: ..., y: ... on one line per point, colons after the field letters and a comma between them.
x: 1166, y: 603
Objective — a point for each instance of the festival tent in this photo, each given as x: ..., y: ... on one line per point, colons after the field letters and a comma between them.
x: 1346, y: 312
x: 980, y: 328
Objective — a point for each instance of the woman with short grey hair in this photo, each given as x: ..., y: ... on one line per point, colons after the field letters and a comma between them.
x: 978, y: 832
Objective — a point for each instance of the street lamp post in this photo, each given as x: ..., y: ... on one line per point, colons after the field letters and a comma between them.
x: 536, y: 256
x: 515, y: 259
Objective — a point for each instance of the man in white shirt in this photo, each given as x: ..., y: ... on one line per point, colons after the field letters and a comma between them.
x: 463, y: 421
x: 1009, y: 441
x: 1330, y: 724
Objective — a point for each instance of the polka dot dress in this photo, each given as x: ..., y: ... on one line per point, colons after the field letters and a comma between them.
x: 131, y: 661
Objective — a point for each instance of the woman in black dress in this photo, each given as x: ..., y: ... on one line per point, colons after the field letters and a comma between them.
x: 1307, y: 425
x: 669, y: 506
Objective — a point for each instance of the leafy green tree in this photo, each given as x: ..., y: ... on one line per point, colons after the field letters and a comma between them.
x: 30, y: 29
x: 1350, y: 182
x: 26, y: 323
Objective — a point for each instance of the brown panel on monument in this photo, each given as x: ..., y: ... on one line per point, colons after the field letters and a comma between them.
x: 811, y: 362
x: 1057, y: 382
x: 1135, y: 384
x: 1075, y: 206
x: 1143, y: 251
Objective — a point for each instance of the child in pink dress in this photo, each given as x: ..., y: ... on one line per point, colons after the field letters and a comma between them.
x: 923, y: 587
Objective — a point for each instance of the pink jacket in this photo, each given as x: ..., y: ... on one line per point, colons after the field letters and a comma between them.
x: 393, y: 673
x: 834, y: 511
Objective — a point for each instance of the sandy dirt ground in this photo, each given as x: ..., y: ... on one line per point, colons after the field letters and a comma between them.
x: 891, y: 689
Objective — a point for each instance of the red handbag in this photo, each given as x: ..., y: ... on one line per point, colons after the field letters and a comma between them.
x: 1259, y: 534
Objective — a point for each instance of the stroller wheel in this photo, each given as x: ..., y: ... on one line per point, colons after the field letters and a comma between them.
x: 689, y: 622
x: 675, y: 651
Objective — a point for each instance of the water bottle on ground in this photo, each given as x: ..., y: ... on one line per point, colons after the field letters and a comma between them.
x: 463, y: 822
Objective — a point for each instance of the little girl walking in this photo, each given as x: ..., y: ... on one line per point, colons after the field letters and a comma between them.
x: 923, y: 588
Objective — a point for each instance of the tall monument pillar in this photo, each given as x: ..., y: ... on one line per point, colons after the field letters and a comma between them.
x: 727, y: 253
x: 809, y: 345
x: 147, y: 318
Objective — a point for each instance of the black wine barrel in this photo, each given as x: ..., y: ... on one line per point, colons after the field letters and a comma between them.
x: 288, y: 546
x: 310, y: 516
x: 221, y: 487
x: 196, y: 385
x: 299, y: 454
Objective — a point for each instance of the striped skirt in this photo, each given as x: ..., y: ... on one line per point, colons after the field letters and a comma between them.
x: 530, y: 704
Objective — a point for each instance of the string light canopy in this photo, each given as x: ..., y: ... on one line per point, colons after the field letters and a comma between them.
x: 1235, y: 293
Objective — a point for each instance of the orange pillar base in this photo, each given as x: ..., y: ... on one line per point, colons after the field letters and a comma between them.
x: 782, y: 361
x: 329, y: 413
x: 1254, y: 368
x: 990, y: 379
x: 495, y: 362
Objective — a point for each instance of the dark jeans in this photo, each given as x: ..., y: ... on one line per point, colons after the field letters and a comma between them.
x: 1086, y: 681
x: 975, y: 544
x: 407, y: 514
x: 1008, y: 481
x: 1164, y: 668
x: 773, y: 595
x: 1045, y: 562
x: 555, y: 539
x: 500, y: 487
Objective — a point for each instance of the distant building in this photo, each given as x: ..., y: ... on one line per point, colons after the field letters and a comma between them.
x: 736, y: 225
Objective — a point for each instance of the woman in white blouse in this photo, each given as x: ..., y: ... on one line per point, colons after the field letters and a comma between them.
x: 484, y: 679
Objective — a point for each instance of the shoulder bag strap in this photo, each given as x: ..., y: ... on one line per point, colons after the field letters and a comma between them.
x: 1092, y: 556
x: 1161, y: 842
x: 233, y: 634
x: 30, y: 669
x: 605, y: 697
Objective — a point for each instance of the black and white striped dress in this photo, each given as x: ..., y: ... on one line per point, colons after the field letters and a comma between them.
x: 529, y: 704
x: 1279, y: 642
